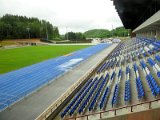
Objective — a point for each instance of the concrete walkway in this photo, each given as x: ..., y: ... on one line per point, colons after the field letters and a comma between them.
x: 35, y: 104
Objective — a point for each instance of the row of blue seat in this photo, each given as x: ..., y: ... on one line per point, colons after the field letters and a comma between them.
x: 76, y: 104
x: 87, y: 99
x: 155, y: 89
x: 134, y: 47
x: 127, y: 96
x: 150, y: 52
x: 115, y: 95
x: 111, y: 64
x: 101, y: 67
x: 151, y: 81
x: 92, y: 104
x: 83, y: 96
x: 135, y: 67
x: 75, y: 98
x: 116, y: 52
x: 118, y: 63
x: 120, y: 73
x: 157, y: 58
x: 153, y: 63
x: 127, y: 70
x: 145, y: 40
x: 139, y: 86
x: 143, y: 64
x: 106, y: 92
x: 144, y: 53
x: 156, y: 49
x: 107, y: 65
x: 113, y: 75
x: 104, y: 98
x: 156, y: 44
x: 116, y: 90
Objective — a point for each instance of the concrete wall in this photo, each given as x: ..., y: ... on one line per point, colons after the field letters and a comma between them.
x: 158, y: 34
x: 150, y: 27
x: 149, y: 34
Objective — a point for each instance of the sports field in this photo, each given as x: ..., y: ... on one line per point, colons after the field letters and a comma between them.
x: 12, y: 59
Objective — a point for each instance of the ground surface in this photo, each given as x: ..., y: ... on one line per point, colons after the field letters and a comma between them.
x: 35, y: 104
x: 12, y: 59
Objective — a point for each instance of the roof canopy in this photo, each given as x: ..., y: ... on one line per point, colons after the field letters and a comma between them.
x: 135, y: 12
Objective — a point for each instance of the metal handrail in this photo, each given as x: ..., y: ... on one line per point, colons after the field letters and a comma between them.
x: 114, y: 109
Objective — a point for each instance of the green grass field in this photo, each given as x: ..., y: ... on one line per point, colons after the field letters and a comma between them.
x: 12, y: 59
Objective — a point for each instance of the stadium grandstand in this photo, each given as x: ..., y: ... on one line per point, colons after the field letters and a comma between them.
x: 120, y: 80
x: 127, y: 83
x: 130, y: 76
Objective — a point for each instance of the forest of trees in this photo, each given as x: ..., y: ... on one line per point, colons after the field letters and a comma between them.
x: 120, y: 32
x: 21, y: 27
x: 103, y: 33
x: 74, y: 36
x: 97, y: 33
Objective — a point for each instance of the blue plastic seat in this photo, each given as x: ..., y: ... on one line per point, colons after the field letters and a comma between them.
x: 157, y: 57
x: 158, y: 74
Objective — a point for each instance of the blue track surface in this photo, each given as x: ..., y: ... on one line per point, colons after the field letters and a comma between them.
x: 17, y: 84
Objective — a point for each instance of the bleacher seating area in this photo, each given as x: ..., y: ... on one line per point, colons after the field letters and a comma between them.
x: 17, y: 84
x: 130, y: 74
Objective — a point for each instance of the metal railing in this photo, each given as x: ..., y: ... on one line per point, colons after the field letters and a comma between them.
x: 113, y: 110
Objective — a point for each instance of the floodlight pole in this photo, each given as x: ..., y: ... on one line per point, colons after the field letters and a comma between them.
x: 46, y: 31
x: 66, y: 33
x: 112, y: 30
x: 28, y: 29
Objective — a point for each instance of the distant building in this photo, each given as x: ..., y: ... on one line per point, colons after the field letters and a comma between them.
x: 116, y: 40
x: 106, y: 40
x: 96, y: 40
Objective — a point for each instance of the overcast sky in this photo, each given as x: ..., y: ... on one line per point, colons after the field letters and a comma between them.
x: 75, y: 15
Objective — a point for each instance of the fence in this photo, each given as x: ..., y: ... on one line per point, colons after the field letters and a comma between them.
x: 149, y: 103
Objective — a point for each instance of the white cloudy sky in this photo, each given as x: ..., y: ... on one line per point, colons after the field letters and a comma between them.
x: 75, y: 15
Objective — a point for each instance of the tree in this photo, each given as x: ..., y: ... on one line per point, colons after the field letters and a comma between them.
x: 103, y: 33
x: 74, y: 36
x: 97, y: 33
x: 70, y: 36
x: 55, y: 32
x: 80, y: 36
x: 121, y: 32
